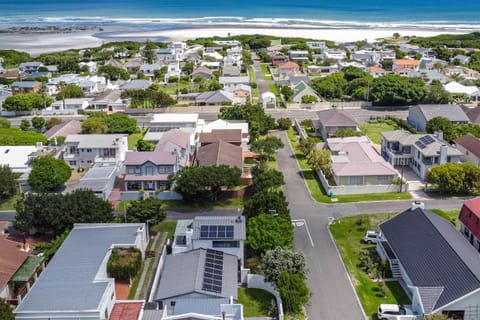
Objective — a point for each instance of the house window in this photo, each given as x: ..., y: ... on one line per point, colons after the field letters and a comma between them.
x: 455, y: 314
x: 226, y: 244
x: 89, y: 150
x: 138, y: 170
x: 130, y: 170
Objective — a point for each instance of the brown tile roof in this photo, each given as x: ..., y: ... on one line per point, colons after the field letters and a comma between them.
x: 220, y: 153
x: 375, y: 69
x: 407, y: 62
x: 471, y: 143
x: 172, y: 138
x: 12, y: 74
x: 11, y: 258
x: 227, y: 135
x: 289, y: 65
x: 472, y: 113
x: 126, y: 311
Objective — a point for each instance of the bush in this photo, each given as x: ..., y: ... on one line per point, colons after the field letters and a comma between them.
x: 284, y: 123
x: 124, y: 263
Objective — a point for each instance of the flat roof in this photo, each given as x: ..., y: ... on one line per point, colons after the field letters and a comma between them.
x: 174, y: 117
x: 16, y: 157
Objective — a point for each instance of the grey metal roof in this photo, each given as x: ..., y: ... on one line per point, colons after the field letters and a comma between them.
x: 68, y: 282
x: 434, y: 255
x: 24, y: 84
x: 452, y: 112
x: 207, y: 306
x: 183, y: 274
x: 152, y: 314
x: 336, y: 118
x: 238, y: 224
x: 95, y: 140
x: 137, y: 84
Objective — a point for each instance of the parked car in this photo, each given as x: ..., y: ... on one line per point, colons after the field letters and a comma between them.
x: 394, y: 312
x: 371, y: 236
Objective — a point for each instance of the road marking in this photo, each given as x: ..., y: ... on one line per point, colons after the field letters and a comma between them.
x: 300, y: 223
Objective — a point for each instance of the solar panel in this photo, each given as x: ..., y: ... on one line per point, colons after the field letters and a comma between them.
x: 213, y: 271
x: 420, y: 144
x: 216, y: 232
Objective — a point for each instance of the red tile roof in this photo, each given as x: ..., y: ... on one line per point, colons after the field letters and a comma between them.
x: 126, y: 311
x: 289, y: 65
x: 470, y: 216
x: 11, y: 258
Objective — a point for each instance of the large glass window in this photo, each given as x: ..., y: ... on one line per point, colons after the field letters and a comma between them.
x: 226, y: 244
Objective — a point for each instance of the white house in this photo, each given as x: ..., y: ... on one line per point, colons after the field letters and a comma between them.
x: 84, y: 150
x: 472, y: 91
x: 70, y: 104
x: 269, y: 100
x: 75, y: 284
x: 222, y: 233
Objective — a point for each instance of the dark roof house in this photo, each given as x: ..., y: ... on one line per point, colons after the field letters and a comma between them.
x: 233, y: 136
x: 220, y: 153
x: 332, y: 120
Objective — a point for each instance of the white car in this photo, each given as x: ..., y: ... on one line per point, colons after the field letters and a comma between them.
x: 371, y: 236
x: 394, y: 312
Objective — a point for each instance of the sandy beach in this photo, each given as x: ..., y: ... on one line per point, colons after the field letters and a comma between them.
x: 36, y: 43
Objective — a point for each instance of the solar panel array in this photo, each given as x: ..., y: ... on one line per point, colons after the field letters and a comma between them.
x: 424, y: 141
x: 213, y: 271
x: 216, y: 232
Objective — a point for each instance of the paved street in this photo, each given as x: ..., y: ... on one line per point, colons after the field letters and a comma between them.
x: 333, y: 295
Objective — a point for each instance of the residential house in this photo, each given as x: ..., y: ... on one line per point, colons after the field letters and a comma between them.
x: 461, y: 59
x: 231, y: 70
x: 225, y: 124
x: 219, y: 153
x: 114, y: 63
x: 202, y: 72
x: 472, y: 113
x: 456, y: 88
x: 418, y: 151
x: 279, y: 59
x: 428, y: 75
x: 70, y: 104
x: 344, y: 64
x: 25, y: 87
x: 233, y: 81
x: 173, y: 70
x: 149, y: 69
x: 30, y: 67
x: 179, y: 142
x: 292, y: 81
x: 163, y: 122
x: 214, y: 98
x: 332, y: 120
x: 193, y: 57
x: 242, y: 93
x: 302, y: 89
x: 464, y: 72
x: 334, y: 54
x: 323, y: 71
x: 469, y: 146
x: 19, y: 158
x: 288, y: 69
x: 298, y: 55
x: 13, y: 74
x: 317, y: 45
x: 222, y: 233
x: 376, y: 71
x: 404, y: 66
x: 64, y: 129
x: 201, y: 275
x: 12, y: 256
x: 232, y: 136
x: 75, y: 284
x: 211, y: 64
x: 34, y: 76
x: 356, y: 162
x: 227, y: 43
x: 215, y: 56
x: 136, y: 84
x: 274, y: 49
x: 85, y: 150
x: 437, y: 265
x: 470, y: 221
x: 109, y: 101
x: 91, y: 65
x: 99, y: 179
x: 268, y: 100
x: 419, y: 115
x: 133, y: 64
x: 149, y: 170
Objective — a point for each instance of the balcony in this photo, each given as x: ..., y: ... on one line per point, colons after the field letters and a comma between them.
x: 105, y: 159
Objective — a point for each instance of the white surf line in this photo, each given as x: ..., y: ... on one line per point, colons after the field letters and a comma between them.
x: 299, y: 223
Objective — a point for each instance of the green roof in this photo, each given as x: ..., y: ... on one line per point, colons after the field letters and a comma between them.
x: 27, y: 269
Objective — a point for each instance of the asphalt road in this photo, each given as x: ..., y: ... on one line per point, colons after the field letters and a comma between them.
x: 333, y: 295
x: 7, y: 215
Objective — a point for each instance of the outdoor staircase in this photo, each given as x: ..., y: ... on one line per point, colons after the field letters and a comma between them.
x: 395, y: 267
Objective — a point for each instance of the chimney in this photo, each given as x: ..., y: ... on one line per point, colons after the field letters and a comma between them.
x: 443, y: 154
x: 417, y: 204
x: 438, y: 134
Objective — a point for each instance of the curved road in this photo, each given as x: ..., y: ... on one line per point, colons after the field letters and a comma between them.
x: 333, y: 295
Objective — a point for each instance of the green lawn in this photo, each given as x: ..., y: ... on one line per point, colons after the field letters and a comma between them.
x: 169, y: 90
x: 167, y: 226
x: 373, y: 129
x: 449, y: 215
x: 273, y: 88
x: 265, y: 71
x: 133, y: 138
x: 348, y: 233
x: 9, y: 204
x: 256, y: 302
x: 178, y: 204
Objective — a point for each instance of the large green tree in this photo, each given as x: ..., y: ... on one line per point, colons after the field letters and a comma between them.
x: 8, y: 185
x: 277, y: 260
x: 442, y: 124
x: 48, y: 173
x: 53, y: 213
x: 114, y: 73
x: 267, y: 146
x: 330, y: 87
x: 396, y: 90
x: 25, y: 102
x: 94, y: 125
x: 320, y: 160
x: 265, y: 178
x: 455, y: 178
x: 69, y: 91
x: 150, y: 210
x: 206, y: 183
x: 121, y: 123
x: 38, y: 123
x: 267, y: 231
x: 266, y: 202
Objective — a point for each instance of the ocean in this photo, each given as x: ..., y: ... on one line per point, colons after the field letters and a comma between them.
x: 167, y: 14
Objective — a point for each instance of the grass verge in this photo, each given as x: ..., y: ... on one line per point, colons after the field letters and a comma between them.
x: 256, y: 302
x: 133, y: 139
x: 167, y: 226
x: 348, y: 233
x: 265, y: 71
x: 9, y: 204
x: 373, y: 130
x: 449, y: 215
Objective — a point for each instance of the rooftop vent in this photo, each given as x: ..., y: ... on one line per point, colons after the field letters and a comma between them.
x: 417, y: 204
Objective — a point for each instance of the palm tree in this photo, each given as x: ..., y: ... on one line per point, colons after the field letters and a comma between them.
x: 62, y: 86
x: 43, y: 90
x: 457, y: 77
